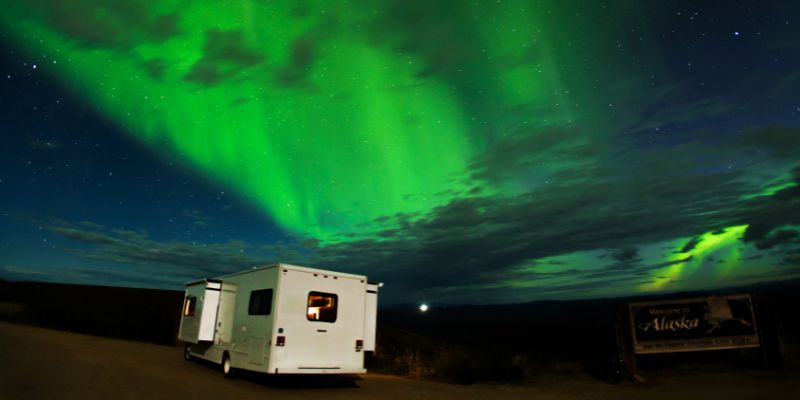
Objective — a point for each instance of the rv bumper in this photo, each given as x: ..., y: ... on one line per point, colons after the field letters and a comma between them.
x: 318, y: 370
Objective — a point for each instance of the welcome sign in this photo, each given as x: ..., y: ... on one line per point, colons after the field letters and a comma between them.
x: 705, y: 323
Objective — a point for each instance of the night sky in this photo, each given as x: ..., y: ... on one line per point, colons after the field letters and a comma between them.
x: 460, y: 152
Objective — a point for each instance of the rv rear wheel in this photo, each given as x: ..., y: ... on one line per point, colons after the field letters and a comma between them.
x: 227, y: 369
x: 187, y: 355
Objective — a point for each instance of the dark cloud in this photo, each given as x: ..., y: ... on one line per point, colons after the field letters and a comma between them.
x: 303, y: 53
x: 485, y: 239
x: 647, y: 196
x: 767, y: 215
x: 225, y: 55
x: 626, y: 255
x: 691, y: 244
x: 155, y: 68
x: 85, y: 236
x: 535, y: 152
x: 301, y: 58
x: 781, y: 142
x: 432, y: 29
x: 176, y: 258
x: 239, y: 101
x: 630, y: 269
x: 792, y: 260
x: 775, y: 238
x: 115, y: 24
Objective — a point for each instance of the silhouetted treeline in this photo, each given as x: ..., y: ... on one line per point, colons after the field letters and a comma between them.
x: 127, y: 313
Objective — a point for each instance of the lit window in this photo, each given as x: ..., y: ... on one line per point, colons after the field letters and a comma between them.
x: 322, y: 307
x: 189, y: 305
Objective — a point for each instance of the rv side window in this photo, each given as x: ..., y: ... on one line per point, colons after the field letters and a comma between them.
x: 260, y: 302
x: 322, y: 307
x: 189, y: 305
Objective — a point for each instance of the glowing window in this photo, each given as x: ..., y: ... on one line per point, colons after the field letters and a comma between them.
x: 322, y: 307
x: 189, y: 305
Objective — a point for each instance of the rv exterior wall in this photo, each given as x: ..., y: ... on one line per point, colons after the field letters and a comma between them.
x: 284, y: 319
x: 370, y: 317
x: 208, y: 316
x: 248, y: 344
x: 314, y: 344
x: 191, y: 312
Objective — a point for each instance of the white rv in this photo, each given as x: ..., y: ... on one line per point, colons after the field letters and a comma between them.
x: 281, y: 319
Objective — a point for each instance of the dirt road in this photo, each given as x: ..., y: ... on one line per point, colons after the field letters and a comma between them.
x: 38, y: 363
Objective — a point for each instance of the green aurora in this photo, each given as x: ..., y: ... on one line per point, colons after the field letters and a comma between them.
x: 342, y: 123
x: 323, y: 148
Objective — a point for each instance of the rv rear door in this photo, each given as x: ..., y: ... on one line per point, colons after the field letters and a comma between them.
x: 208, y: 317
x: 370, y: 317
x: 319, y: 324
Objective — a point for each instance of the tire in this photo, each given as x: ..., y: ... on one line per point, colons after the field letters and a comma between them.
x: 227, y: 370
x: 187, y: 354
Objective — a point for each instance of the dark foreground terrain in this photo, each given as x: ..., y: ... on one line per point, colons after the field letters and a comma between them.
x: 47, y: 364
x: 466, y: 344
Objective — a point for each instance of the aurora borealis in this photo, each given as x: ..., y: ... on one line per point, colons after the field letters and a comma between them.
x: 459, y: 151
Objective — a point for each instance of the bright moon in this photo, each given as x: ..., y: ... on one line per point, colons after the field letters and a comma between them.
x: 423, y: 307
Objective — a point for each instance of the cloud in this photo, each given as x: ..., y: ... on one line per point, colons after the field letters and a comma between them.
x: 155, y: 67
x: 536, y: 152
x: 136, y: 248
x: 626, y: 255
x: 651, y: 195
x: 23, y: 272
x: 197, y: 217
x: 611, y: 203
x: 44, y: 144
x: 225, y: 55
x: 778, y: 237
x: 118, y: 24
x: 691, y: 244
x: 431, y: 29
x: 303, y: 53
x: 781, y: 142
x: 767, y: 215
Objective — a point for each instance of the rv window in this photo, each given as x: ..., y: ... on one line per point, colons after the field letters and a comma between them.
x: 188, y: 307
x: 260, y: 302
x: 322, y: 307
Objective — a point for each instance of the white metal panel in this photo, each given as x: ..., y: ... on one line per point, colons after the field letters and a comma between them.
x: 190, y: 324
x: 214, y: 285
x: 316, y: 346
x: 370, y: 317
x: 208, y: 318
x: 225, y: 315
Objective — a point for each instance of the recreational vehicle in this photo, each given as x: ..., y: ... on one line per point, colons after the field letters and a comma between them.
x: 281, y: 319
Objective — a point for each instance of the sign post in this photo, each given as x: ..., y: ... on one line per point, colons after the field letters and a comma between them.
x: 695, y: 324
